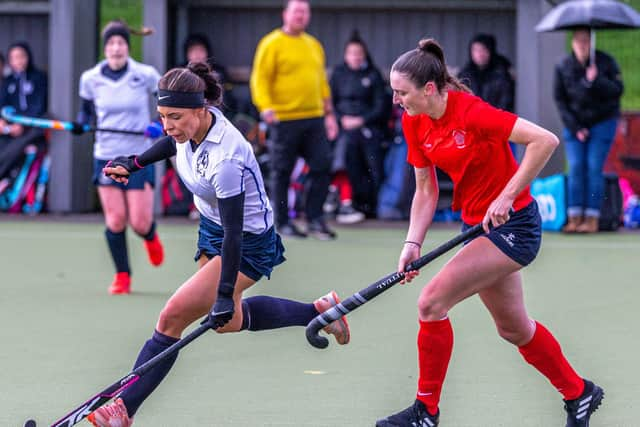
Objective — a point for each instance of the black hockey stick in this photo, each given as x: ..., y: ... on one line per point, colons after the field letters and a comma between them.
x: 82, y: 411
x: 9, y: 114
x: 365, y: 295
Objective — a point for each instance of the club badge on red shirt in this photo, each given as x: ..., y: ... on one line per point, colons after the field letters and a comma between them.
x: 458, y: 138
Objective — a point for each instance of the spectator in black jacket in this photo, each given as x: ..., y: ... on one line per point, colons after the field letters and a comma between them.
x: 487, y: 73
x: 2, y: 65
x: 362, y: 110
x: 588, y: 97
x: 24, y: 89
x: 198, y: 49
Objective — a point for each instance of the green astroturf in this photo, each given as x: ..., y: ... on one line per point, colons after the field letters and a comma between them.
x: 63, y: 338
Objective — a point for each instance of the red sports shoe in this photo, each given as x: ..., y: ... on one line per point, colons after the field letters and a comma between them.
x: 111, y: 415
x: 338, y: 328
x: 121, y: 284
x: 155, y: 251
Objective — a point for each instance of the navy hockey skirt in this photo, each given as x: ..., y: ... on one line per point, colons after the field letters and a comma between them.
x: 260, y: 252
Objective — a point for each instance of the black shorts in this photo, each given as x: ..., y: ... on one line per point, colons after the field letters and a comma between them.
x: 520, y: 237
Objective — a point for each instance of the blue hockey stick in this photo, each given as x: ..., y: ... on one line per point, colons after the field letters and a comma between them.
x: 10, y: 197
x: 41, y: 188
x: 9, y: 114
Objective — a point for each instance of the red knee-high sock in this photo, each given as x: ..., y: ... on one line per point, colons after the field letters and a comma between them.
x: 341, y: 181
x: 543, y: 352
x: 435, y: 344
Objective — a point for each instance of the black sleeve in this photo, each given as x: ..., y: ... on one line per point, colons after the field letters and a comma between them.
x: 163, y: 148
x: 231, y: 216
x: 87, y: 113
x: 3, y: 93
x: 335, y: 94
x: 37, y: 104
x: 505, y: 91
x: 560, y: 96
x: 376, y: 113
x: 608, y: 83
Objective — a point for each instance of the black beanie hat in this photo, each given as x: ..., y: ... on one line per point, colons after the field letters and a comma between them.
x: 115, y: 28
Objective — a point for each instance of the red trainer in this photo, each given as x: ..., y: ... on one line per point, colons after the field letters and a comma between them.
x: 121, y: 284
x: 338, y: 328
x: 111, y: 415
x: 155, y: 251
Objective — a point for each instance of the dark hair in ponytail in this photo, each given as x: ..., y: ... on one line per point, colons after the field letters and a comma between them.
x: 196, y: 77
x: 426, y: 64
x: 119, y: 27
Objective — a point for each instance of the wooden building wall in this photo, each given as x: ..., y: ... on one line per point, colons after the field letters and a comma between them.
x: 388, y: 31
x: 24, y: 22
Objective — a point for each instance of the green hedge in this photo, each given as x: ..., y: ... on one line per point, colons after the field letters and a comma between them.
x: 131, y: 12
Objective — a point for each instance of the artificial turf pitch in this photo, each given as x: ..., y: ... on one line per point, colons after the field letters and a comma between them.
x: 63, y: 338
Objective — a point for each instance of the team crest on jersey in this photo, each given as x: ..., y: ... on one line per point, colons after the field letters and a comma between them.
x: 458, y: 138
x: 136, y: 80
x: 202, y: 163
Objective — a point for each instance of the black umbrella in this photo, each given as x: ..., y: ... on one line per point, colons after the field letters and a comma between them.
x: 594, y: 14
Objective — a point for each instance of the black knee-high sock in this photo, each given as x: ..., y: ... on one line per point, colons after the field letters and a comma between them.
x: 118, y: 248
x: 138, y: 392
x: 264, y: 312
x: 151, y: 234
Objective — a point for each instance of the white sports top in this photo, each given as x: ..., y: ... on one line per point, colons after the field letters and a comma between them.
x: 224, y: 166
x: 120, y: 104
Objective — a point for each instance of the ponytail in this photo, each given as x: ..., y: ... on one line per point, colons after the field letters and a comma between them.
x: 120, y: 28
x: 426, y: 63
x: 196, y: 77
x: 213, y: 88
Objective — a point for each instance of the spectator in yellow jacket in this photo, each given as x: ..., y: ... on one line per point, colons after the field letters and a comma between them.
x: 290, y: 89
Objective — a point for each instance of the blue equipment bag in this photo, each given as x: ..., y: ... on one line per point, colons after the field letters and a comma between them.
x: 551, y: 195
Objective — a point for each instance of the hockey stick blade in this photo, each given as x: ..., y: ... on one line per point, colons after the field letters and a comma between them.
x: 82, y: 411
x: 367, y: 294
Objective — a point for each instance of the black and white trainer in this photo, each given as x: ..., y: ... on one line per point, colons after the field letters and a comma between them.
x: 579, y: 410
x: 320, y: 230
x: 415, y: 415
x: 290, y: 230
x: 347, y: 214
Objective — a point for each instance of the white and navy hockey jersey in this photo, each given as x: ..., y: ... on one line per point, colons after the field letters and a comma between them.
x: 222, y: 166
x: 120, y: 104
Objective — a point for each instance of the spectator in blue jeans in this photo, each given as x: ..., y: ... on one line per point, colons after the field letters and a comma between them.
x: 588, y: 97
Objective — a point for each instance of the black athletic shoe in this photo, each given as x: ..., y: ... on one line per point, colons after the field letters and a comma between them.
x: 579, y: 410
x: 319, y: 229
x: 347, y: 214
x: 415, y: 415
x: 290, y: 230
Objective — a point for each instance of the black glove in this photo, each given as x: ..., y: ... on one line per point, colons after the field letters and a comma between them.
x: 129, y: 163
x: 77, y: 129
x: 222, y: 311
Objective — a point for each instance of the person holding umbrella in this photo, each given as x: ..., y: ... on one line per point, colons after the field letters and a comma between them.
x: 587, y: 94
x: 587, y: 90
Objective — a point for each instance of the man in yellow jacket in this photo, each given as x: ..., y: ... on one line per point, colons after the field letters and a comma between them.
x: 289, y: 87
